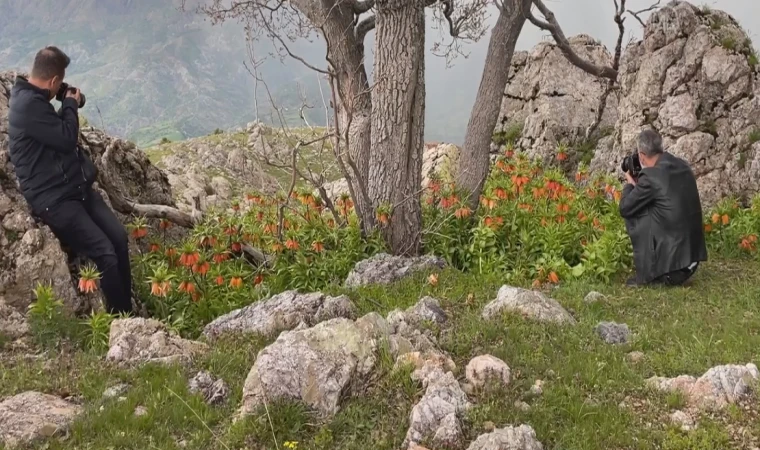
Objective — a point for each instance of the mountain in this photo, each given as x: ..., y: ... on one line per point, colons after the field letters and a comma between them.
x: 149, y: 70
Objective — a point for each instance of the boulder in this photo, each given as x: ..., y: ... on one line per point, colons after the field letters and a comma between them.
x: 316, y: 365
x: 281, y: 312
x: 594, y: 297
x: 437, y: 418
x: 613, y: 333
x: 717, y: 388
x: 32, y: 415
x: 384, y: 269
x: 531, y: 304
x: 213, y: 390
x: 147, y: 340
x: 553, y: 101
x: 682, y: 420
x: 116, y: 391
x: 485, y: 369
x: 428, y: 309
x: 509, y: 438
x: 13, y: 324
x: 691, y: 78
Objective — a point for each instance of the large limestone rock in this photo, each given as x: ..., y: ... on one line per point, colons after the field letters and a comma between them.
x: 485, y: 369
x: 32, y: 415
x: 147, y: 340
x: 12, y: 323
x: 438, y: 416
x: 281, y: 312
x: 29, y: 253
x: 316, y: 365
x: 552, y: 100
x: 717, y: 388
x: 384, y: 269
x: 509, y: 438
x: 531, y: 304
x: 691, y: 79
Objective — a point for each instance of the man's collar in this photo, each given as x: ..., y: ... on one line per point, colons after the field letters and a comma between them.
x: 23, y: 83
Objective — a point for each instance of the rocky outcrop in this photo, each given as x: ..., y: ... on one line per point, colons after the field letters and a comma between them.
x: 693, y: 78
x: 384, y: 269
x: 552, y: 101
x: 148, y: 341
x: 716, y: 389
x: 29, y: 253
x: 531, y: 304
x: 509, y: 438
x: 32, y: 415
x: 282, y: 312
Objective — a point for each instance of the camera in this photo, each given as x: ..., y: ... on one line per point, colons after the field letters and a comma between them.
x: 66, y: 88
x: 632, y: 164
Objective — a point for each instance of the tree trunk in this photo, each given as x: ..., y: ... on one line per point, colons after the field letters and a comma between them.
x: 474, y: 161
x: 398, y: 120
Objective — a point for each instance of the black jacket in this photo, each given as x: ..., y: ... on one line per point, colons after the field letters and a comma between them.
x: 48, y: 162
x: 663, y: 216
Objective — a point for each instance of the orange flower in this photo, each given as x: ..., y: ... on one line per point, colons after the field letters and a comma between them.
x: 220, y: 257
x: 258, y: 280
x: 236, y: 206
x: 186, y: 286
x: 553, y: 277
x: 708, y: 228
x: 463, y: 212
x: 525, y: 206
x: 493, y: 222
x: 219, y: 280
x: 87, y: 286
x: 725, y: 219
x: 208, y: 241
x: 488, y: 202
x: 154, y: 248
x: 536, y: 283
x: 435, y: 186
x: 270, y: 228
x: 160, y: 289
x: 236, y: 282
x: 433, y: 279
x: 617, y: 195
x: 598, y: 225
x: 139, y: 232
x: 715, y: 218
x: 292, y: 244
x: 382, y: 218
x: 561, y: 156
x: 277, y: 247
x: 236, y: 247
x: 317, y: 246
x: 501, y: 193
x: 331, y: 223
x: 201, y: 268
x: 188, y: 259
x: 543, y: 221
x: 164, y: 224
x: 581, y: 216
x: 563, y: 208
x: 561, y: 219
x: 539, y: 192
x: 171, y: 252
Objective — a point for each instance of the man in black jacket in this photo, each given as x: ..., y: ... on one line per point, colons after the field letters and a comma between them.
x: 56, y: 176
x: 663, y: 216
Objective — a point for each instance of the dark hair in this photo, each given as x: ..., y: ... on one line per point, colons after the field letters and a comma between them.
x: 650, y: 142
x: 50, y: 62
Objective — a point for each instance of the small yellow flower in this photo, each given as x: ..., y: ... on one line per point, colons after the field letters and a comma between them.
x: 433, y: 279
x: 291, y: 445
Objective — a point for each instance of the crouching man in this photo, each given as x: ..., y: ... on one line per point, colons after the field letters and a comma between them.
x: 56, y: 177
x: 663, y: 214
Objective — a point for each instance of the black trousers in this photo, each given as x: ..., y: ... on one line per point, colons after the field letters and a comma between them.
x: 88, y: 227
x: 678, y: 277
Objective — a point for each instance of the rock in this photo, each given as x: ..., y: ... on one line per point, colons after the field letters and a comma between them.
x: 553, y: 101
x: 635, y: 357
x: 32, y: 415
x: 682, y: 420
x: 489, y: 426
x: 213, y: 390
x: 613, y: 333
x: 384, y: 269
x: 537, y: 388
x: 690, y: 79
x: 427, y: 309
x: 522, y: 406
x: 594, y: 297
x: 717, y: 388
x: 425, y: 363
x: 437, y: 417
x: 281, y: 312
x: 439, y: 160
x: 486, y: 368
x: 141, y: 411
x: 532, y: 304
x: 13, y: 324
x: 317, y: 365
x: 147, y: 340
x: 116, y: 391
x: 509, y: 438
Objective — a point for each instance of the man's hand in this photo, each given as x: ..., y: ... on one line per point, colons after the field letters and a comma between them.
x: 630, y: 179
x: 75, y: 95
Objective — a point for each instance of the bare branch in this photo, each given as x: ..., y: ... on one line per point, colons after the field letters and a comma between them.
x: 360, y: 7
x: 364, y: 27
x: 551, y: 25
x: 636, y: 14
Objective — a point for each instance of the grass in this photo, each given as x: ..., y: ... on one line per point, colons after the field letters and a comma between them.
x: 681, y: 331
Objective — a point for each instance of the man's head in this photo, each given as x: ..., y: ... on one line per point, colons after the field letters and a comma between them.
x: 650, y: 147
x: 49, y: 68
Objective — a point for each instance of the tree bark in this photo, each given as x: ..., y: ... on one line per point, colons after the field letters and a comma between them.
x: 398, y: 120
x: 474, y: 160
